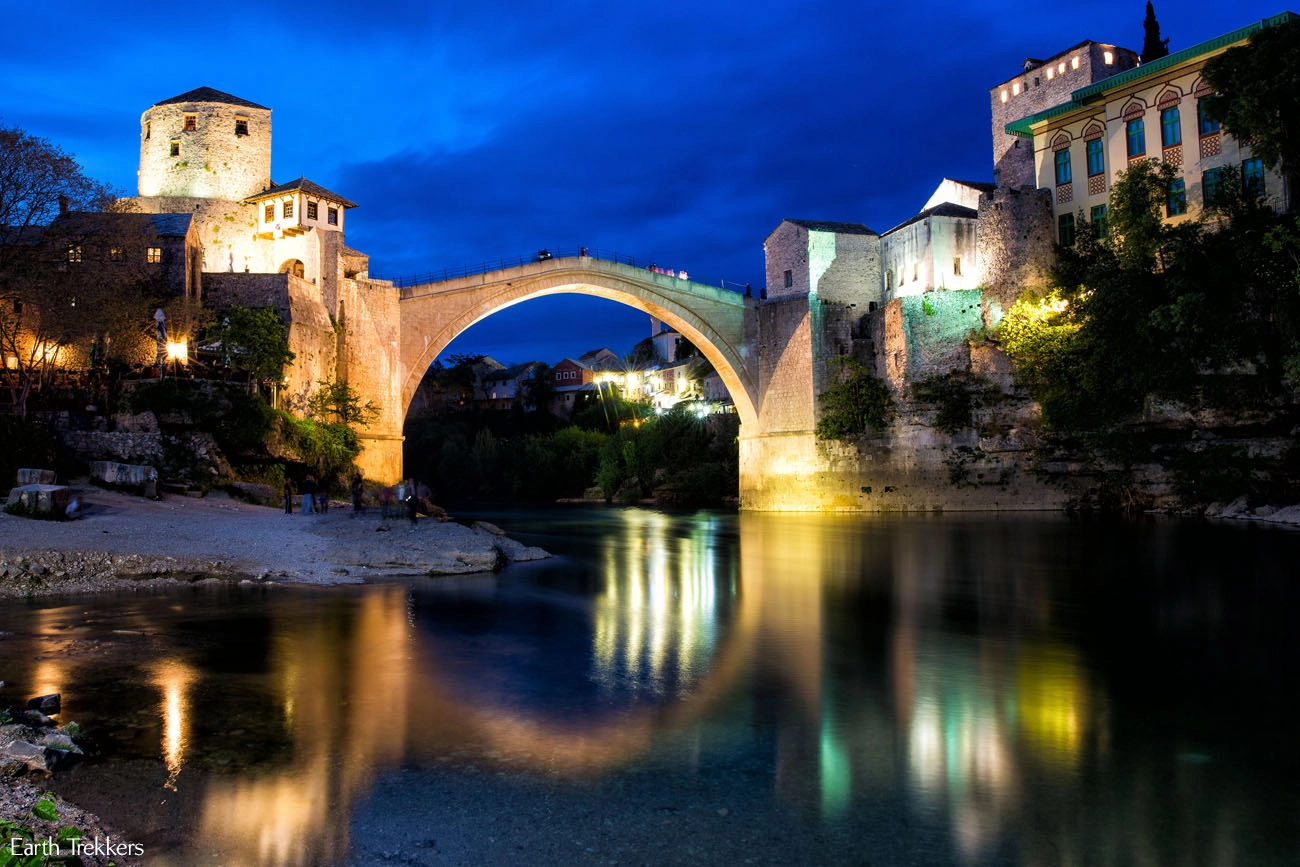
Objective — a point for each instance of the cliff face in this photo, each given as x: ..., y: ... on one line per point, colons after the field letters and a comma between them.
x: 965, y: 436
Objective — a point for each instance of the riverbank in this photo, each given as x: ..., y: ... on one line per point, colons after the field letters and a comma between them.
x: 121, y: 540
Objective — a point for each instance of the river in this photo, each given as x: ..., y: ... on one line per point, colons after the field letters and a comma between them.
x: 707, y: 688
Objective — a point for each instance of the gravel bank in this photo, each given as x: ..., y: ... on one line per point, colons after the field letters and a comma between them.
x: 121, y: 540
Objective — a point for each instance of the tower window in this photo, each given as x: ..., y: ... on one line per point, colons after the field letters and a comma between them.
x: 147, y: 125
x: 956, y: 266
x: 268, y: 213
x: 288, y: 209
x: 332, y: 215
x: 789, y: 278
x: 115, y: 254
x: 241, y: 126
x: 191, y: 122
x: 175, y: 148
x: 311, y: 210
x: 74, y: 252
x: 153, y: 255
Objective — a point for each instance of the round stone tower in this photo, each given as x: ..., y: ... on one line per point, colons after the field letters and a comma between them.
x: 205, y: 144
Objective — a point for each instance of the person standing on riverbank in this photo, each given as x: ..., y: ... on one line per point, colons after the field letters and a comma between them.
x: 357, y: 491
x: 308, y: 491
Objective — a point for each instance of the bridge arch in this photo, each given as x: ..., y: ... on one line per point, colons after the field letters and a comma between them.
x: 715, y: 320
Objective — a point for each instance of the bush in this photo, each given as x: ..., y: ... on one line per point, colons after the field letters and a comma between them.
x: 855, y: 404
x: 955, y: 397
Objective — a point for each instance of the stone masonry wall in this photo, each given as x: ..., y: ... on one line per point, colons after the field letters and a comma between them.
x: 213, y: 161
x: 786, y: 249
x: 785, y: 362
x: 1017, y: 238
x: 1043, y: 86
x: 844, y: 268
x: 368, y: 317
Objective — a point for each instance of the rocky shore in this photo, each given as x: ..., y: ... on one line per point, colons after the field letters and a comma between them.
x: 123, y: 542
x: 120, y: 541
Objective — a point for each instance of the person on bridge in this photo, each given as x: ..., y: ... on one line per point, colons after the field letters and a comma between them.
x: 543, y: 255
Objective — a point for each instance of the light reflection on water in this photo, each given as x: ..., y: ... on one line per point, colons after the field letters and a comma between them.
x: 964, y: 671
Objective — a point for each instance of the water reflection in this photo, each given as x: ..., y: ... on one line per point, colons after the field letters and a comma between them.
x: 173, y: 679
x: 340, y: 675
x: 942, y: 672
x: 658, y: 617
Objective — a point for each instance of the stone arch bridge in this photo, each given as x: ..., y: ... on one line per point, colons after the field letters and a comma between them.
x: 770, y: 355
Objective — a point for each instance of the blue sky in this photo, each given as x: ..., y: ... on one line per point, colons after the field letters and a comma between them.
x: 679, y: 132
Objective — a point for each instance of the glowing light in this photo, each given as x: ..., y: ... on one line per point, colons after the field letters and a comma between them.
x: 1053, y: 702
x: 178, y: 350
x: 1004, y: 95
x: 1074, y: 63
x: 1108, y: 57
x: 47, y: 353
x: 173, y: 680
x: 1051, y: 73
x: 1015, y: 89
x: 1060, y: 67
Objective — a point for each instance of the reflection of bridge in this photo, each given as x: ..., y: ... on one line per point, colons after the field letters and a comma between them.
x: 768, y: 354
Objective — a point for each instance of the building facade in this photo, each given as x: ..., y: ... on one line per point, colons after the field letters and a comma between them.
x: 1040, y: 85
x: 1154, y: 111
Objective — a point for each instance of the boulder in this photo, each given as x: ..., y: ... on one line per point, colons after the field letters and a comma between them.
x: 125, y: 475
x: 29, y: 476
x: 46, y: 704
x: 39, y: 500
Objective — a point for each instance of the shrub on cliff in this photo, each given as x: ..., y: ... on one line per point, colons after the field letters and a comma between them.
x: 856, y: 404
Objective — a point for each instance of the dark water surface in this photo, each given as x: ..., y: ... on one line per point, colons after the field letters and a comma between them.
x: 708, y: 688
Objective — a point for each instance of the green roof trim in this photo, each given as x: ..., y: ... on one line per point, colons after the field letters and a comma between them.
x: 1085, y: 95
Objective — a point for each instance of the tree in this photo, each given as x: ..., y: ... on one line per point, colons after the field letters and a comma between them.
x: 1153, y: 47
x: 1257, y: 97
x: 255, y: 340
x: 855, y: 404
x: 539, y: 387
x: 339, y: 402
x: 48, y: 300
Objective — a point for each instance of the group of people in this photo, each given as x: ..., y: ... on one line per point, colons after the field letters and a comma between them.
x: 668, y: 271
x: 316, y: 495
x: 409, y: 496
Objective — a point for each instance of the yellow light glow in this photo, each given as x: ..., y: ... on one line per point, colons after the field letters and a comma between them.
x: 47, y: 353
x: 1074, y: 63
x: 173, y: 679
x: 1051, y: 73
x: 1004, y: 95
x: 1108, y: 57
x: 178, y: 350
x: 1060, y: 67
x: 1015, y: 89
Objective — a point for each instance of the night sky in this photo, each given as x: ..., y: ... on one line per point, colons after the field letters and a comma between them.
x: 676, y: 132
